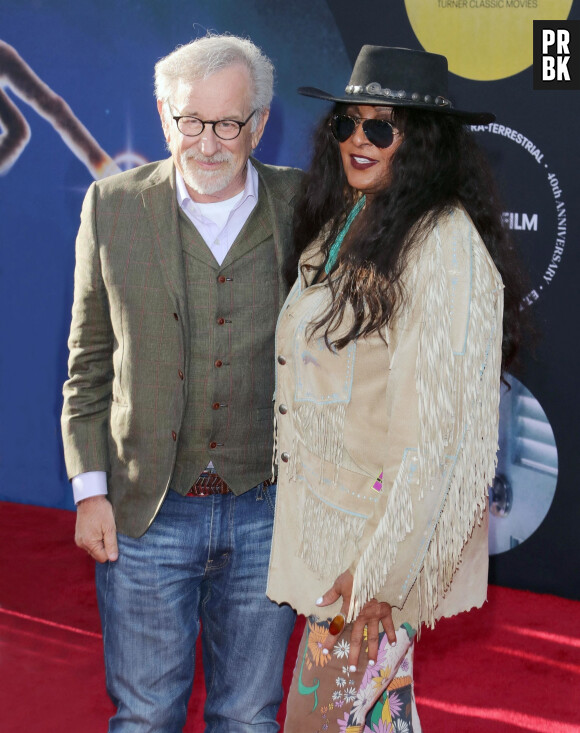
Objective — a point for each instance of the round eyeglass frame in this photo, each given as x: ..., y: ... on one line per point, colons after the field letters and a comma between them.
x: 213, y: 124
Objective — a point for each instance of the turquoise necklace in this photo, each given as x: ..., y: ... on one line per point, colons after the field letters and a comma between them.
x: 334, y: 250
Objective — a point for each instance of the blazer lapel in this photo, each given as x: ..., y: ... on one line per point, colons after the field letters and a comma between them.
x: 272, y: 216
x: 160, y: 202
x: 280, y: 197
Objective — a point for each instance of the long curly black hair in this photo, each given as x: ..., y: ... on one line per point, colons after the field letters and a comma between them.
x: 437, y: 165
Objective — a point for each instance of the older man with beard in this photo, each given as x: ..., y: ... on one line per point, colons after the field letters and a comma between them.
x: 167, y: 418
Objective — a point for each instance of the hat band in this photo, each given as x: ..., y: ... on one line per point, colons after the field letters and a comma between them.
x: 374, y: 89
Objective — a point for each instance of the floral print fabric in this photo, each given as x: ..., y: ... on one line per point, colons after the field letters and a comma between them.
x: 326, y: 696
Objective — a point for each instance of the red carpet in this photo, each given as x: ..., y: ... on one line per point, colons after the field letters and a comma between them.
x: 510, y: 667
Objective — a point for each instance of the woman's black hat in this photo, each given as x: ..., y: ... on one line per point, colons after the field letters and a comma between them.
x: 400, y: 77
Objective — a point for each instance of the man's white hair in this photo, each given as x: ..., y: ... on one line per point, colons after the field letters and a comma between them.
x: 203, y: 57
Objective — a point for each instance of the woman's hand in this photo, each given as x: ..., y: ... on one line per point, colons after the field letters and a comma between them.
x: 370, y: 615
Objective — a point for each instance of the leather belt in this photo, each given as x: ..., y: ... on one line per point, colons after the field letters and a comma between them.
x: 208, y: 484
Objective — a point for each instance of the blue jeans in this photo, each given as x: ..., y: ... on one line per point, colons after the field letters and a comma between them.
x: 203, y: 558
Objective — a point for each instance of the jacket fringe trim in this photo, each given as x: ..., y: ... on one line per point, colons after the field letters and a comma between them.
x: 321, y: 522
x: 321, y: 428
x: 458, y: 417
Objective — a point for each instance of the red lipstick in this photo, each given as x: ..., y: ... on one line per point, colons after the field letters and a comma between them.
x: 357, y: 163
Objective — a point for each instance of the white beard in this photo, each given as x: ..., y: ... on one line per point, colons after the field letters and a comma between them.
x: 205, y: 182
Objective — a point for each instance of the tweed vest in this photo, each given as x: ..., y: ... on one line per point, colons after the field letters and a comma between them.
x: 230, y: 368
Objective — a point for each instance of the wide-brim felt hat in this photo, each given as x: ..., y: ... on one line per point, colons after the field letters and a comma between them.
x: 400, y: 77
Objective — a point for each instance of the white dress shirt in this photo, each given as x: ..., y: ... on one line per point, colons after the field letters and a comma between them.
x: 220, y: 223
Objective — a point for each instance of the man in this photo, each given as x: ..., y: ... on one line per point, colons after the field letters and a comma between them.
x: 168, y: 407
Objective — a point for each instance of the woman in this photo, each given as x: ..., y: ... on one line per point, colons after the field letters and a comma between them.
x: 389, y: 351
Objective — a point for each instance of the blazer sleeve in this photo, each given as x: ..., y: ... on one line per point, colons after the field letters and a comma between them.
x: 87, y: 392
x: 442, y: 417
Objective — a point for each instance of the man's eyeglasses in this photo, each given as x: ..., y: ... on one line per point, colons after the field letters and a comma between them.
x: 379, y: 132
x: 224, y: 129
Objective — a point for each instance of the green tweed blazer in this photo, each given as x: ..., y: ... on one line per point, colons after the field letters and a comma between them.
x: 130, y: 332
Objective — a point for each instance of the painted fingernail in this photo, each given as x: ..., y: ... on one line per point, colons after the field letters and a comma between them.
x: 319, y: 601
x: 325, y: 652
x: 352, y: 668
x: 371, y: 663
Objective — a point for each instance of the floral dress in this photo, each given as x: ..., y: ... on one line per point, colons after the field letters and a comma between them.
x: 326, y: 696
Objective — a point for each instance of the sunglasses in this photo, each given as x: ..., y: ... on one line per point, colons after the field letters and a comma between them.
x: 378, y: 132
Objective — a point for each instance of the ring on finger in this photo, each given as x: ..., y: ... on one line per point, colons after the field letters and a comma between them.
x: 337, y: 624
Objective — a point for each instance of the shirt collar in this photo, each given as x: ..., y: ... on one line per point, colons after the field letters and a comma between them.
x: 250, y: 189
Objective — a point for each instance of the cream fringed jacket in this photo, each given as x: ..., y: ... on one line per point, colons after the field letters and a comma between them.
x: 419, y: 407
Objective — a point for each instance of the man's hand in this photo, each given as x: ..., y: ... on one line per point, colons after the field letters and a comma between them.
x: 96, y: 531
x: 370, y: 615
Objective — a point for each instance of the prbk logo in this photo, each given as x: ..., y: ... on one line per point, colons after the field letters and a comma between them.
x: 557, y: 54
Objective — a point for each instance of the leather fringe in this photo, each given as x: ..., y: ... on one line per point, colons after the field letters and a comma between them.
x: 458, y: 416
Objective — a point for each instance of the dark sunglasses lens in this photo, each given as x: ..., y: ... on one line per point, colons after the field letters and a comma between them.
x: 378, y: 132
x: 342, y: 127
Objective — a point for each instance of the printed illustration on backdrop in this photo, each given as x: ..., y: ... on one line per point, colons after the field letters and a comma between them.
x: 527, y: 470
x: 17, y: 75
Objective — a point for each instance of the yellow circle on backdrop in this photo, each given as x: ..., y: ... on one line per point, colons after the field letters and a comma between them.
x: 482, y: 39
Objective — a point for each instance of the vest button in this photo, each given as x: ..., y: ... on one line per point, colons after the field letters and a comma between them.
x: 218, y: 363
x: 221, y: 279
x: 176, y: 316
x: 282, y: 409
x: 174, y: 435
x: 180, y: 373
x: 221, y: 321
x: 285, y: 457
x: 216, y: 406
x: 213, y: 445
x: 281, y: 360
